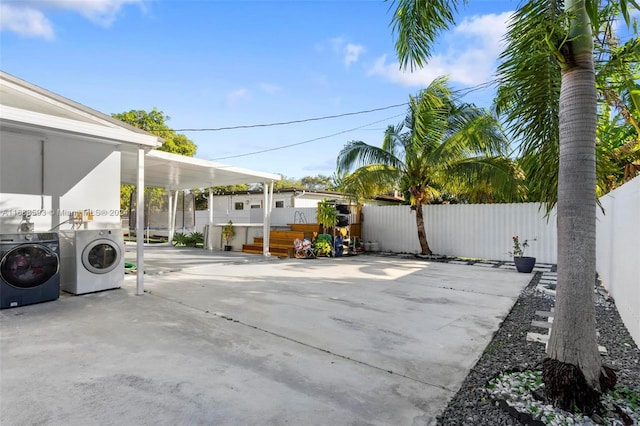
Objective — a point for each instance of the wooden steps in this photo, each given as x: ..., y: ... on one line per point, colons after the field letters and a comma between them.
x: 275, y: 251
x: 308, y: 228
x: 280, y: 243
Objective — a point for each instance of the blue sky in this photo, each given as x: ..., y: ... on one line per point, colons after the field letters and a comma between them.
x: 211, y: 64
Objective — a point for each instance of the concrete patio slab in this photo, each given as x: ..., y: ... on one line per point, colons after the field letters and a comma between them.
x: 361, y: 340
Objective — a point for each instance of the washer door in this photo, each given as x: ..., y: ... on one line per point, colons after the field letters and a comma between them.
x: 101, y: 256
x: 28, y: 265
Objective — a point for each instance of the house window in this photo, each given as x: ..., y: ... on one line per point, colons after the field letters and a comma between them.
x: 255, y: 206
x: 279, y: 204
x: 239, y: 206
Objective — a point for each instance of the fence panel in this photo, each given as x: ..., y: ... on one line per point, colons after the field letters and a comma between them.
x: 466, y: 230
x: 618, y: 252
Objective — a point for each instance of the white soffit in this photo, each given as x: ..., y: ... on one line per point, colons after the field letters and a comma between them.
x: 173, y: 171
x: 26, y: 106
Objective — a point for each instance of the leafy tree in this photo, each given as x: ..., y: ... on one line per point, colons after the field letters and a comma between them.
x: 287, y: 182
x: 529, y: 98
x: 316, y: 183
x: 573, y: 370
x: 154, y: 122
x: 442, y: 145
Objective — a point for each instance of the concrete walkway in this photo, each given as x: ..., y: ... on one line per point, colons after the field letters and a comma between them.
x: 245, y: 340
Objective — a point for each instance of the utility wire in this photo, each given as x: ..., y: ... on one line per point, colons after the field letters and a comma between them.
x: 307, y: 141
x: 282, y: 123
x: 460, y: 93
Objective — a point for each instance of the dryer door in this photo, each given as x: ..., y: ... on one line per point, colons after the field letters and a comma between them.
x: 28, y: 265
x: 101, y: 256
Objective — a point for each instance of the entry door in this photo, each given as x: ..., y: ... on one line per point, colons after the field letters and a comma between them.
x: 28, y: 265
x: 101, y: 256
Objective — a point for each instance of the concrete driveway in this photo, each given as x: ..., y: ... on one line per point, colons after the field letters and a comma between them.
x: 362, y: 340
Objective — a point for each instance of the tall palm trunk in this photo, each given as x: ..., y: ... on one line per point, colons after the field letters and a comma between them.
x: 573, y: 335
x: 422, y: 234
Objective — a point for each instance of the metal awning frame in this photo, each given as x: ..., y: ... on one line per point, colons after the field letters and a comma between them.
x: 177, y: 172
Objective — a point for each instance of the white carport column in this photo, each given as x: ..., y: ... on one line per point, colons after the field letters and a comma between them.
x: 268, y: 198
x: 140, y: 224
x: 210, y: 240
x: 170, y: 219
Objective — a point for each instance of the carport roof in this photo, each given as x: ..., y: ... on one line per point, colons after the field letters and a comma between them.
x: 24, y: 105
x: 173, y: 171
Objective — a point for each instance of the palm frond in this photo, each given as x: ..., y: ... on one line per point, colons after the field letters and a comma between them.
x: 417, y: 25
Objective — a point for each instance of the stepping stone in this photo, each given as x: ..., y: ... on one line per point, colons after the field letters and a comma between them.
x: 541, y: 324
x: 544, y: 314
x: 545, y: 290
x: 540, y: 269
x: 459, y: 262
x: 537, y: 337
x: 485, y: 265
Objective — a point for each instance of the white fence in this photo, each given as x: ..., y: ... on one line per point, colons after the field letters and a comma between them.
x: 465, y: 230
x: 618, y: 253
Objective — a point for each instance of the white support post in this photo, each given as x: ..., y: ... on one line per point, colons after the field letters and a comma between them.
x: 140, y: 224
x: 175, y: 210
x: 268, y: 205
x: 266, y: 226
x: 210, y: 233
x: 170, y: 219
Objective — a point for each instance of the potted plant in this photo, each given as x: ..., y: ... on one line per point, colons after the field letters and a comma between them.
x: 322, y: 245
x: 327, y: 216
x: 523, y: 263
x: 228, y: 232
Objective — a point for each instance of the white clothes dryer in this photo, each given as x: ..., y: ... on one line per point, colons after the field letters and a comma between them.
x: 91, y: 260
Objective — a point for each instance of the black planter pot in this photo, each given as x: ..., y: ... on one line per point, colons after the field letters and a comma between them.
x: 228, y: 248
x: 524, y: 263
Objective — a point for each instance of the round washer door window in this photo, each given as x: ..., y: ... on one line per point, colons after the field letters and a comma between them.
x: 28, y: 265
x: 101, y: 256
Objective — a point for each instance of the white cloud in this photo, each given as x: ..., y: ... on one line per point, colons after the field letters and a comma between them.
x: 25, y: 21
x: 352, y: 53
x: 270, y: 88
x: 348, y: 52
x: 469, y: 57
x: 238, y: 96
x: 102, y: 12
x: 28, y: 17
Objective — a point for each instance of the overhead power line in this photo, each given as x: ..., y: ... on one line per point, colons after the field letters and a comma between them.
x: 307, y: 141
x: 283, y: 123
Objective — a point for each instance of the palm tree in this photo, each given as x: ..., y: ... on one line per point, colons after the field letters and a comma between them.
x: 572, y: 349
x: 442, y: 145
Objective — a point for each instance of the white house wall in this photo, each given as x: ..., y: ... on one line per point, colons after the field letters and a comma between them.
x: 74, y: 175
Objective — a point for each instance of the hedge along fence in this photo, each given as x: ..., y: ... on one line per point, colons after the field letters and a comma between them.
x: 466, y: 230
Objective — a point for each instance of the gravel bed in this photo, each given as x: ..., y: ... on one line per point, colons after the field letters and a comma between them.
x: 510, y: 351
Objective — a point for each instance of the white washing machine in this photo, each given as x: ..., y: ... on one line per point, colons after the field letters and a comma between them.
x: 91, y: 260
